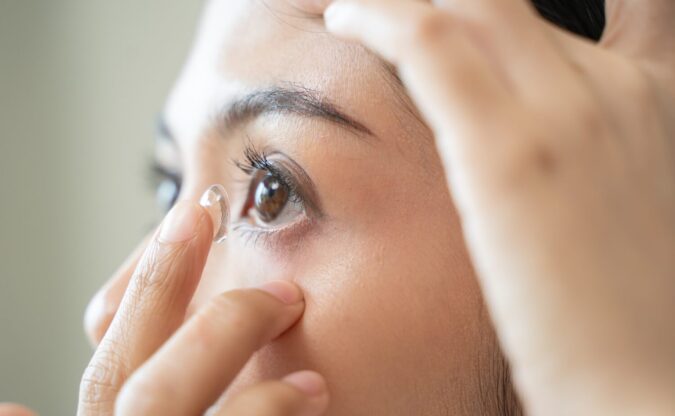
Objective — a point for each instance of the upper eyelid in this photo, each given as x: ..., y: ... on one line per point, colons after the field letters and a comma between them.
x: 280, y: 163
x: 275, y: 162
x: 158, y: 167
x: 250, y: 170
x: 303, y: 185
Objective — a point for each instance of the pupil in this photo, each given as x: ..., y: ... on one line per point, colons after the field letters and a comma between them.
x: 271, y: 196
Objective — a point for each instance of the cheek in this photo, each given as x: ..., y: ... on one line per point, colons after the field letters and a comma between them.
x: 232, y: 265
x: 389, y: 306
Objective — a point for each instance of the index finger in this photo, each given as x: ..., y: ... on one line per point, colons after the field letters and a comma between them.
x: 153, y: 306
x: 104, y: 304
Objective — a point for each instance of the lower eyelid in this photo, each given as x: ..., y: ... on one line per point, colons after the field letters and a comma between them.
x: 289, y: 235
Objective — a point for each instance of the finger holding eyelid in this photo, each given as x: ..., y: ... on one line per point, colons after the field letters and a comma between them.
x: 406, y: 31
x: 217, y: 342
x: 104, y: 304
x: 450, y: 80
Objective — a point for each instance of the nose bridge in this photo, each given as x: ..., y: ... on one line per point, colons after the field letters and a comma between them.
x: 206, y: 163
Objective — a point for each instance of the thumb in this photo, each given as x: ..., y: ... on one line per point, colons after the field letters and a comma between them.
x: 640, y: 27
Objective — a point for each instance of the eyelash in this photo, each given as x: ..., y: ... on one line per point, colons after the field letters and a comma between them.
x: 256, y: 161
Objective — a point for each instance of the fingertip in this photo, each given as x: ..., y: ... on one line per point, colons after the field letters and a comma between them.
x: 183, y: 222
x: 313, y: 386
x: 308, y: 382
x: 285, y: 291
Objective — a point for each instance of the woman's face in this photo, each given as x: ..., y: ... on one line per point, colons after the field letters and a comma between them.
x: 342, y: 192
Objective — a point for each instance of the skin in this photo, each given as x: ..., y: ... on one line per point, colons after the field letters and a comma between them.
x: 556, y: 204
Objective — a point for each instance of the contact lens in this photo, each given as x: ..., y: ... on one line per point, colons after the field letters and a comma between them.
x: 218, y: 205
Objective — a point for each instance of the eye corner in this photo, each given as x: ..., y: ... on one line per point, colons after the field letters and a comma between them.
x: 165, y: 183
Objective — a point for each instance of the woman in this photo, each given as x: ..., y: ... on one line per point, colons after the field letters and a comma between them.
x: 538, y: 159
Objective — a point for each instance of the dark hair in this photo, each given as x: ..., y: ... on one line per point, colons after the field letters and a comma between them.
x: 583, y: 17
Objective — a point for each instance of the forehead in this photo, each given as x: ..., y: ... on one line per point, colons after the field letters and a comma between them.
x: 243, y: 45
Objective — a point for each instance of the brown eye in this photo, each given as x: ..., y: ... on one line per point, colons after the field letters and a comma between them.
x: 270, y: 198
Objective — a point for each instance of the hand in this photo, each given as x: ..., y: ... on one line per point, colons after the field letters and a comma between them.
x: 150, y: 362
x: 560, y: 156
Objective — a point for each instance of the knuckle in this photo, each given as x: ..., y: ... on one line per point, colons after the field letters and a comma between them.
x: 430, y: 28
x: 100, y: 383
x: 103, y: 376
x: 533, y: 161
x: 538, y: 158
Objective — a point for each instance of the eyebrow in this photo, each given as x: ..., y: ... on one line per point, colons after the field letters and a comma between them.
x: 294, y: 99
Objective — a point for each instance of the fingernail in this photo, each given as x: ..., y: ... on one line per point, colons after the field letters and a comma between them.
x: 181, y: 222
x: 217, y: 204
x: 283, y: 290
x: 309, y: 382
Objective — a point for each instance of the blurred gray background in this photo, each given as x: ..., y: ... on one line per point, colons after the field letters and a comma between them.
x: 81, y: 82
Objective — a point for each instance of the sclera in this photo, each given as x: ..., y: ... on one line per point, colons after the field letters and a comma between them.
x: 217, y: 203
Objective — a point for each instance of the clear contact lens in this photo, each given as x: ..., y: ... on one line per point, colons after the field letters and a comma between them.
x: 216, y: 202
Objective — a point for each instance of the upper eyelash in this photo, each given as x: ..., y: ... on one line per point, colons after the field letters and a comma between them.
x: 253, y: 160
x: 257, y: 160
